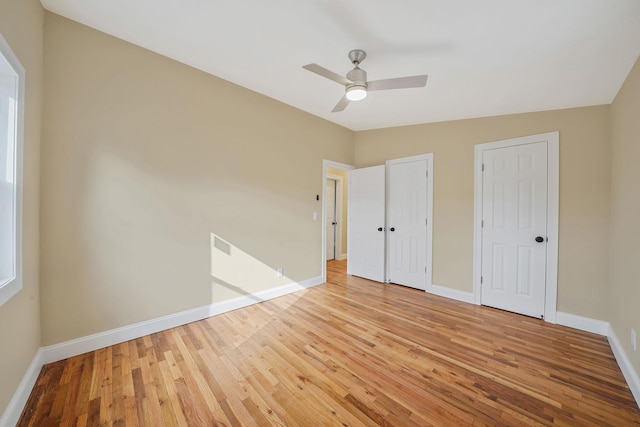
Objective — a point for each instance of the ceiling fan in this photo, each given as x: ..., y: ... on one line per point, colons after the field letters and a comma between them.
x: 356, y: 84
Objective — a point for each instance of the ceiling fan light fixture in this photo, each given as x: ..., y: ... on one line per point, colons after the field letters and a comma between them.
x: 356, y: 93
x: 356, y: 84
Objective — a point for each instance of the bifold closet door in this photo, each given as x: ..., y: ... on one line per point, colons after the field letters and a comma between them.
x: 366, y: 239
x: 407, y: 222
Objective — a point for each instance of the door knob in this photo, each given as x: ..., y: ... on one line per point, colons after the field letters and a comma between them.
x: 379, y: 228
x: 392, y: 229
x: 334, y: 223
x: 539, y: 239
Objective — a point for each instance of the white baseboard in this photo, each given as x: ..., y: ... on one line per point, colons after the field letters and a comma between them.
x: 572, y: 321
x: 604, y: 328
x: 630, y: 374
x: 93, y: 342
x: 71, y: 348
x: 341, y: 257
x: 78, y: 346
x: 451, y: 293
x: 16, y: 405
x: 582, y: 323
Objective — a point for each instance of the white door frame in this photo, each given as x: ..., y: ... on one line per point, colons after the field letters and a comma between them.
x: 553, y: 189
x: 335, y: 165
x: 339, y: 195
x: 429, y: 158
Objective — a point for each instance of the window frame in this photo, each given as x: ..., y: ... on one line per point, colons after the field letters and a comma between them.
x: 12, y: 287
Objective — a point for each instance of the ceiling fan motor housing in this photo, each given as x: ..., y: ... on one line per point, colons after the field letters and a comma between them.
x: 358, y: 76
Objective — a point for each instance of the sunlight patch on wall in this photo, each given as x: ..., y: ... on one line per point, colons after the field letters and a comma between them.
x: 236, y: 273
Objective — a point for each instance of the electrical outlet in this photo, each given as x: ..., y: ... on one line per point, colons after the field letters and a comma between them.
x: 279, y: 272
x: 634, y: 343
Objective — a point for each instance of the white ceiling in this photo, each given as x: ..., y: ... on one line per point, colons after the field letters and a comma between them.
x: 483, y: 58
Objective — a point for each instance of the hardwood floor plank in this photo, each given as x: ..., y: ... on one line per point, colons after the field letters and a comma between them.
x: 93, y: 413
x: 350, y: 352
x: 59, y: 403
x: 167, y: 382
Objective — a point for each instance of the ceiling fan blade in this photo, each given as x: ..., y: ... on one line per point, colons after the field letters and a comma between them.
x: 315, y: 68
x: 398, y: 83
x: 341, y: 105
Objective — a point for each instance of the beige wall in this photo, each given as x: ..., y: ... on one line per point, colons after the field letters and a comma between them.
x: 584, y: 193
x: 21, y: 24
x: 165, y: 188
x: 625, y: 213
x: 345, y: 208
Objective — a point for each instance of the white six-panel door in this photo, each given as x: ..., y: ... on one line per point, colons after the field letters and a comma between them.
x: 407, y: 222
x: 514, y: 228
x: 366, y: 240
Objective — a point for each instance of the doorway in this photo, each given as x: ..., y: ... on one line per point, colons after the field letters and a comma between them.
x: 332, y: 225
x: 516, y: 225
x: 334, y: 235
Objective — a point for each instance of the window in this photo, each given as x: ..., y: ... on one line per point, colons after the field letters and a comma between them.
x: 11, y: 97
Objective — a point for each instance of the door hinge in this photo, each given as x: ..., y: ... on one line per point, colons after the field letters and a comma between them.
x: 482, y: 167
x: 481, y: 280
x: 426, y: 221
x: 482, y: 223
x: 425, y: 268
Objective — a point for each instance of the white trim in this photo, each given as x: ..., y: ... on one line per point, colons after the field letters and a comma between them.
x: 77, y: 346
x: 451, y: 293
x: 628, y: 371
x: 603, y: 328
x: 335, y: 165
x: 12, y: 287
x: 56, y: 352
x: 428, y: 157
x: 17, y: 403
x: 430, y: 177
x: 586, y: 324
x: 553, y: 174
x: 342, y: 256
x: 553, y: 231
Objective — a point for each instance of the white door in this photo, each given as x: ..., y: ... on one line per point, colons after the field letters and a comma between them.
x: 407, y: 222
x: 514, y: 228
x: 331, y: 222
x: 366, y: 223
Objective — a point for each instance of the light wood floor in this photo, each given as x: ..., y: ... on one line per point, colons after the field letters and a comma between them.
x: 351, y: 352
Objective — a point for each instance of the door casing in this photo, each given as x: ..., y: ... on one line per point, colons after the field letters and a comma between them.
x: 552, y: 140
